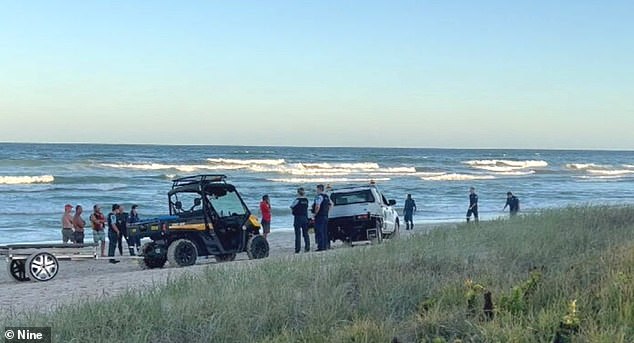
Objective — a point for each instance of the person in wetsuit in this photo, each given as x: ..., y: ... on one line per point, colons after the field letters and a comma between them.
x: 473, y: 205
x: 408, y: 211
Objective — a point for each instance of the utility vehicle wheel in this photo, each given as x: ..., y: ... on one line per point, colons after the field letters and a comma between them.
x: 151, y: 259
x: 17, y: 270
x: 257, y: 247
x: 182, y: 253
x: 42, y: 266
x: 225, y: 257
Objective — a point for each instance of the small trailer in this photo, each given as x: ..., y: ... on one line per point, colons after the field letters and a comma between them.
x: 40, y: 262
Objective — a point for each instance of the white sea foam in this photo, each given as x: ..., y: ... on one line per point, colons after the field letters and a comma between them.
x: 516, y: 173
x: 507, y: 164
x: 229, y: 161
x: 157, y: 166
x: 326, y: 180
x: 631, y: 166
x: 584, y: 166
x: 613, y: 172
x: 17, y: 180
x: 457, y: 177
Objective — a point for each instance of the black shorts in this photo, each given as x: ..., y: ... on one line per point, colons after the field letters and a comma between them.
x: 474, y: 211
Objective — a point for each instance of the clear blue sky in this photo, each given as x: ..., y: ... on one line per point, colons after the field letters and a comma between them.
x: 506, y: 74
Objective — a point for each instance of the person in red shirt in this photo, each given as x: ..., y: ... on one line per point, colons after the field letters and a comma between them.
x: 265, y: 210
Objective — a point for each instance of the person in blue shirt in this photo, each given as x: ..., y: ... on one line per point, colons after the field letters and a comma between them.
x: 321, y: 207
x: 408, y: 211
x: 299, y: 208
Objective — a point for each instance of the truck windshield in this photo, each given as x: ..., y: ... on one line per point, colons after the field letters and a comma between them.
x: 227, y: 205
x: 355, y: 197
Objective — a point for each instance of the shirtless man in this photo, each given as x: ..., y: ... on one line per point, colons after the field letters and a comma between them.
x: 67, y: 224
x: 98, y: 221
x: 79, y: 224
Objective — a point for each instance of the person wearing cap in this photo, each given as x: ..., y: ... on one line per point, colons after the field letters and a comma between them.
x: 265, y: 210
x: 98, y: 221
x: 299, y: 208
x: 67, y: 224
x: 113, y: 232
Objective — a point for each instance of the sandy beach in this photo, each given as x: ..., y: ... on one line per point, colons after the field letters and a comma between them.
x: 96, y: 279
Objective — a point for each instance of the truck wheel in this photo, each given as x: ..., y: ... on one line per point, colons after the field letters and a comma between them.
x: 379, y: 232
x: 182, y: 253
x: 152, y: 260
x: 17, y: 270
x: 42, y: 266
x: 225, y: 257
x: 257, y: 247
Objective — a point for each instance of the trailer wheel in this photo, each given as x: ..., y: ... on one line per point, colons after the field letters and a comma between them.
x: 182, y: 253
x: 151, y: 260
x: 225, y: 257
x: 257, y: 247
x: 17, y: 270
x: 42, y: 266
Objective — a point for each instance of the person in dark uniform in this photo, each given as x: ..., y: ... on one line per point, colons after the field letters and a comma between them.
x: 299, y: 207
x: 473, y: 205
x: 321, y: 206
x: 513, y: 204
x: 408, y: 211
x: 113, y: 232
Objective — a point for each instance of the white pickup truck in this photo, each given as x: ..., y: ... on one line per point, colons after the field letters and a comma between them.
x: 361, y: 213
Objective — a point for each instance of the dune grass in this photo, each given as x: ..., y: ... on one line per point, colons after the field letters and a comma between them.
x: 566, y: 273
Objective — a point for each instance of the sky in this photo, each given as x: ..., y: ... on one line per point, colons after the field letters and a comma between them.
x: 444, y: 74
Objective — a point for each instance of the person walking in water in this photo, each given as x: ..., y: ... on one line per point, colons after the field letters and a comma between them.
x: 299, y: 208
x: 265, y: 209
x: 67, y: 224
x: 321, y: 206
x: 513, y: 204
x: 408, y: 211
x: 78, y: 225
x: 473, y: 205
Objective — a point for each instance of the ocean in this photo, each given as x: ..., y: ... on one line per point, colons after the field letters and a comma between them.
x: 36, y: 180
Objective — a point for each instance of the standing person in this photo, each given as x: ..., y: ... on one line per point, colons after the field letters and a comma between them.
x: 513, y: 203
x: 98, y: 221
x: 299, y: 207
x: 134, y: 218
x: 122, y: 224
x: 408, y: 211
x: 265, y: 209
x: 67, y: 224
x: 473, y: 205
x: 321, y: 206
x: 113, y: 232
x: 78, y: 225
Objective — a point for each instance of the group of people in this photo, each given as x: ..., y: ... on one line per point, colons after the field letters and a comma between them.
x: 116, y: 222
x: 512, y: 202
x: 301, y: 218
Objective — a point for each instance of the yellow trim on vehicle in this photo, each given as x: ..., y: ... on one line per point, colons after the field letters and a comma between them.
x: 183, y: 226
x: 254, y: 222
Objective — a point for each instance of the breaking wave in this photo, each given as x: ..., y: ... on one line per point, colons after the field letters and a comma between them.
x: 230, y: 161
x: 457, y: 177
x: 612, y: 172
x: 326, y: 180
x: 585, y: 166
x: 18, y: 180
x: 505, y: 165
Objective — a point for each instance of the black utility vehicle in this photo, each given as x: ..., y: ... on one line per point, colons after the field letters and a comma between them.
x: 207, y: 217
